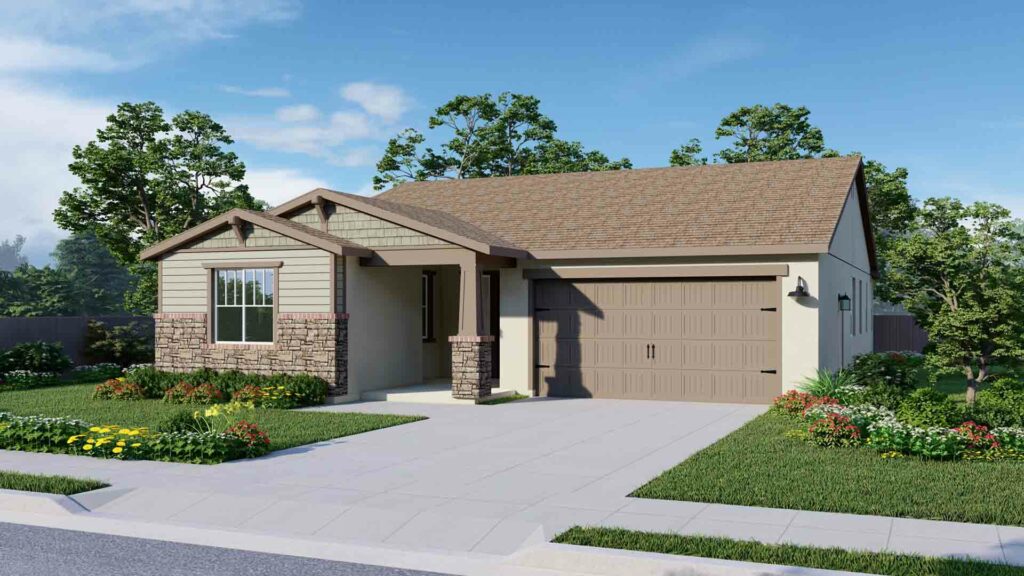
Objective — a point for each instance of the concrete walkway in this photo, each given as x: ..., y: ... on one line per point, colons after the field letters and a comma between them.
x: 487, y: 479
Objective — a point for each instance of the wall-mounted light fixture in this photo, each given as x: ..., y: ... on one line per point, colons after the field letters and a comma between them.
x: 801, y: 289
x: 844, y: 303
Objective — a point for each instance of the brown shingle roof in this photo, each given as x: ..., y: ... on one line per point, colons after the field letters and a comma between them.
x: 796, y: 202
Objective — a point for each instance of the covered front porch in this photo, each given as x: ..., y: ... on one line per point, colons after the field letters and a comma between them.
x: 432, y: 316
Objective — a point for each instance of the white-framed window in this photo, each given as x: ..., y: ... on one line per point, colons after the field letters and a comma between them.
x: 427, y: 306
x: 243, y: 305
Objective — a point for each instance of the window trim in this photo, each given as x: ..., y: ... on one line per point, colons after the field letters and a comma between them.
x: 211, y: 327
x: 428, y: 290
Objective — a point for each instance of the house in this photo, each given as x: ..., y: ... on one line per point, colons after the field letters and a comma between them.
x: 705, y: 283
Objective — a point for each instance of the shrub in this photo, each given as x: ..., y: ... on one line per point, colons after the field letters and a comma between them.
x: 154, y: 383
x: 928, y: 407
x: 231, y: 381
x: 35, y: 357
x: 196, y: 447
x: 186, y: 393
x: 306, y: 390
x: 256, y: 441
x: 977, y: 436
x: 38, y: 433
x: 938, y: 443
x: 118, y: 389
x: 122, y: 345
x: 999, y: 407
x: 24, y: 379
x: 796, y: 403
x: 862, y: 416
x: 826, y: 383
x: 834, y: 430
x: 94, y: 372
x: 1009, y: 438
x: 887, y: 377
x: 185, y: 421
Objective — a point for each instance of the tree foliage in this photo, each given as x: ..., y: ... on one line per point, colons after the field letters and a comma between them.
x: 10, y: 253
x: 488, y: 136
x: 688, y: 154
x: 99, y: 282
x: 145, y: 179
x: 31, y: 291
x: 958, y: 271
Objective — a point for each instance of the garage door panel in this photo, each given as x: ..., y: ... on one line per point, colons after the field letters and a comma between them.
x: 692, y: 340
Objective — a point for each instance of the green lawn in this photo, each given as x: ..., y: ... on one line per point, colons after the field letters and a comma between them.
x: 49, y: 484
x: 783, y: 554
x: 758, y: 465
x: 286, y: 428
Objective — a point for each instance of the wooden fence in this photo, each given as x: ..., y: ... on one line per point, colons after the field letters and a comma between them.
x: 898, y: 332
x: 68, y: 330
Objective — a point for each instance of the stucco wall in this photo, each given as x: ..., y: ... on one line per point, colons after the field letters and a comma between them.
x: 846, y: 270
x: 800, y: 325
x: 304, y: 282
x: 385, y: 349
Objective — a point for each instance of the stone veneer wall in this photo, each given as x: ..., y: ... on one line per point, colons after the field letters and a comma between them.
x: 312, y: 343
x: 471, y: 366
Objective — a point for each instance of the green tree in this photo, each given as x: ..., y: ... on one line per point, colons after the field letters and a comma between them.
x: 489, y: 136
x: 892, y: 210
x: 31, y: 291
x: 98, y: 281
x: 10, y: 253
x: 145, y: 179
x: 958, y: 271
x: 761, y: 133
x: 688, y: 154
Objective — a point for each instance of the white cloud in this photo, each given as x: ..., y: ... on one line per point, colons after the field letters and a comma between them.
x: 103, y: 35
x: 297, y: 131
x: 297, y: 113
x: 269, y: 92
x: 712, y: 52
x: 40, y: 128
x: 382, y: 100
x: 24, y: 54
x: 279, y: 185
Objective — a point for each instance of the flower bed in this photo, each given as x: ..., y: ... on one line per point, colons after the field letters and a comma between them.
x: 206, y: 386
x: 831, y: 424
x: 223, y: 439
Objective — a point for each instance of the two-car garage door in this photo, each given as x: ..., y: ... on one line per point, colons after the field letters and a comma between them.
x: 696, y: 340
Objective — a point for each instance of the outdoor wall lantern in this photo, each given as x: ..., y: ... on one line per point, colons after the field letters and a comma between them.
x: 801, y: 289
x: 844, y: 303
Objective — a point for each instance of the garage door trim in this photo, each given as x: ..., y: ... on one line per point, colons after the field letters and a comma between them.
x: 723, y: 271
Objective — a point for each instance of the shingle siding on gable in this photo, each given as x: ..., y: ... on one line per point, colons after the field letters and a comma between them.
x: 370, y: 231
x: 255, y: 236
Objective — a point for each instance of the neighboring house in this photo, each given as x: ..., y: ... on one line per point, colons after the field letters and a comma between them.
x: 664, y: 283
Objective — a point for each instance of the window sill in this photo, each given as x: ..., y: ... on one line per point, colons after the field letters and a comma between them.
x: 240, y: 345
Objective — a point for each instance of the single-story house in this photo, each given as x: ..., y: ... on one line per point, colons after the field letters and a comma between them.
x: 722, y: 283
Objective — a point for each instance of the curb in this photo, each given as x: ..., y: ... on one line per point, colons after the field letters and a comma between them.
x: 38, y: 503
x: 591, y: 561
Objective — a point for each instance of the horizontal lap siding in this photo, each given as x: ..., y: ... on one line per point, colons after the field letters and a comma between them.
x: 304, y: 282
x: 372, y: 232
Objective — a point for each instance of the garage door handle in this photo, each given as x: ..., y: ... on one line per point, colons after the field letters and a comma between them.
x: 769, y: 371
x: 654, y: 350
x: 648, y: 351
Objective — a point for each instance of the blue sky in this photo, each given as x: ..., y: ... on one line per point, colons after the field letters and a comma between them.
x: 312, y: 90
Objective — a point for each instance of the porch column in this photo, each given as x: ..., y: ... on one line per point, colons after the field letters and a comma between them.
x: 471, y: 349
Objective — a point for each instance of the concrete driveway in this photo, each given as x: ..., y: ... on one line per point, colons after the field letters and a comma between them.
x: 471, y: 478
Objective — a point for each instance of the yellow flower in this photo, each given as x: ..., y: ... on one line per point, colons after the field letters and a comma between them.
x: 94, y: 429
x: 118, y: 450
x: 102, y: 441
x: 105, y: 430
x: 136, y: 445
x: 87, y: 447
x: 120, y: 442
x: 91, y: 441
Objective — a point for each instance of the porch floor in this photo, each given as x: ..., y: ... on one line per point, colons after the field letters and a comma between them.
x: 432, y: 392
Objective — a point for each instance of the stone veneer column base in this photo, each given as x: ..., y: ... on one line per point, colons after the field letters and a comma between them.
x: 310, y: 343
x: 471, y: 366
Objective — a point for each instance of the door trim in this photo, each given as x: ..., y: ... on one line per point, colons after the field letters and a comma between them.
x: 666, y: 271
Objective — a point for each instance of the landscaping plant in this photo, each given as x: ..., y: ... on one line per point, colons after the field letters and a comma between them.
x: 35, y: 357
x: 118, y: 389
x: 23, y: 379
x: 928, y: 407
x: 123, y: 345
x: 186, y: 393
x: 94, y: 372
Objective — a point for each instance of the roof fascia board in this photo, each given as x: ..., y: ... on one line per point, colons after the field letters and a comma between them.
x: 665, y: 271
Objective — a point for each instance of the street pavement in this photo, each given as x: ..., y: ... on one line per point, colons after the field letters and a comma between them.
x: 35, y: 551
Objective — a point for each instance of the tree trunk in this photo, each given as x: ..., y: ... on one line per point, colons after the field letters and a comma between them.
x: 972, y: 386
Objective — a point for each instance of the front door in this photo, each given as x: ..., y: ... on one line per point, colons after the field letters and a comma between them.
x: 490, y: 311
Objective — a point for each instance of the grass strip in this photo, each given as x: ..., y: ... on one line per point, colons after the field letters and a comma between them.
x: 10, y: 480
x: 886, y: 563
